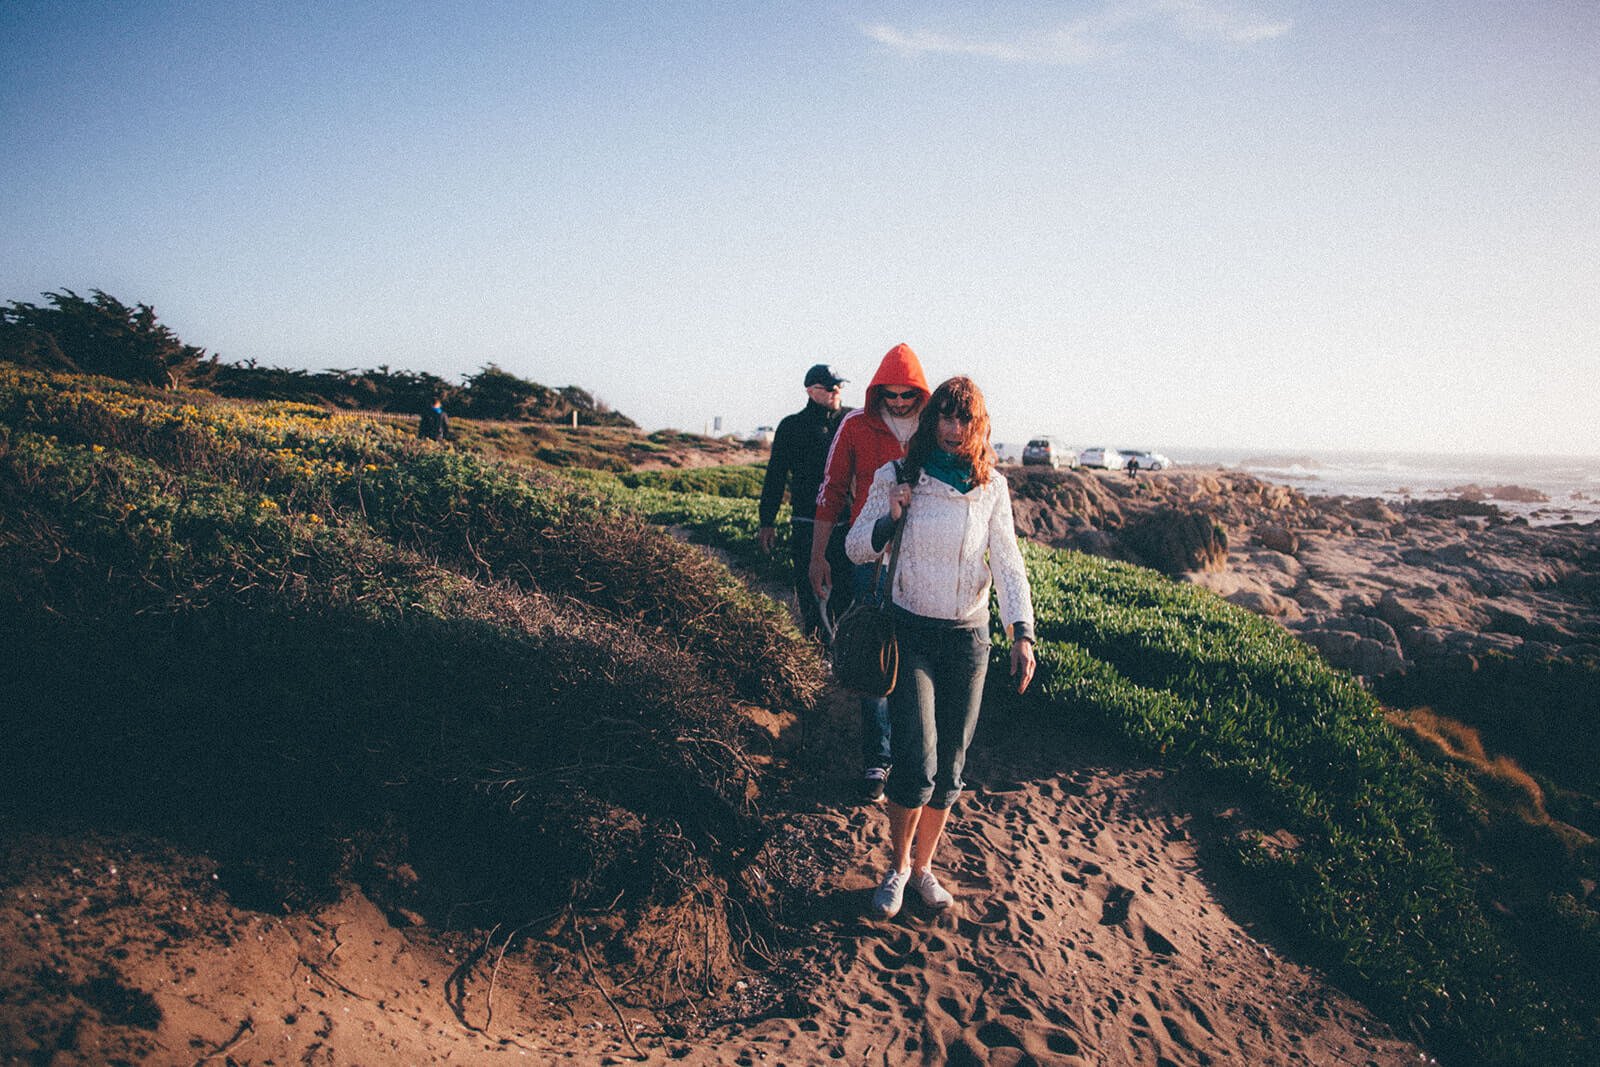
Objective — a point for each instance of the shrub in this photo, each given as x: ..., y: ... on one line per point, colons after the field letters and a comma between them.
x: 739, y: 482
x: 548, y: 535
x: 291, y: 625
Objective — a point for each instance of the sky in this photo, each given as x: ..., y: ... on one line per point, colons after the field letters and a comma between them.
x: 1136, y: 223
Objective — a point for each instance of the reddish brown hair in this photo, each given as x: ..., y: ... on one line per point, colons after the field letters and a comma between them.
x: 955, y: 396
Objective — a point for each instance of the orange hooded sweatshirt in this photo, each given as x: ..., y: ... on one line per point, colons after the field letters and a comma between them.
x: 864, y: 441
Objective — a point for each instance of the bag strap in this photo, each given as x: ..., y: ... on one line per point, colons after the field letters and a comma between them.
x: 885, y: 589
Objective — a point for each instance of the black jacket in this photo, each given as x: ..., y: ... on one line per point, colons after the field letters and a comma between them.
x: 435, y: 425
x: 800, y: 451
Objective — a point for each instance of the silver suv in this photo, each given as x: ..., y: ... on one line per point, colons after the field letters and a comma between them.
x: 1047, y: 450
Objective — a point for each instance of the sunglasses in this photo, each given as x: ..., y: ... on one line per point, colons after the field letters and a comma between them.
x: 834, y: 388
x: 903, y: 394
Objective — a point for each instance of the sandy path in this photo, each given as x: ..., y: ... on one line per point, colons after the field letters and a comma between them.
x: 1083, y: 932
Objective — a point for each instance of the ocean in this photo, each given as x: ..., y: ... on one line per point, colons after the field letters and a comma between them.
x: 1568, y: 485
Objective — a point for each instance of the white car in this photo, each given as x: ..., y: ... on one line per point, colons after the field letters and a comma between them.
x: 1147, y: 461
x: 1104, y: 458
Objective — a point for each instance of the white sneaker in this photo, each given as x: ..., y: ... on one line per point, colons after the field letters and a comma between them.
x: 932, y: 893
x: 891, y: 894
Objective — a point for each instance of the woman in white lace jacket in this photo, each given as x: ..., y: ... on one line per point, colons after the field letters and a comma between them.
x: 959, y: 537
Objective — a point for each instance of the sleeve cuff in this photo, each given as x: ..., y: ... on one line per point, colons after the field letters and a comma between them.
x: 1021, y: 630
x: 882, y: 531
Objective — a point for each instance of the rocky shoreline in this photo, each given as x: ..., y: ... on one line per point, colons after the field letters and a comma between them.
x: 1378, y: 589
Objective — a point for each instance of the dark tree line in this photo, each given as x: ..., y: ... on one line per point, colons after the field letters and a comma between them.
x: 101, y: 335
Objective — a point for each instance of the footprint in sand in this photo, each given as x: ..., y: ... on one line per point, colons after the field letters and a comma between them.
x: 1196, y: 1013
x: 994, y: 1035
x: 1156, y: 942
x: 874, y: 1003
x: 1062, y: 1044
x: 994, y: 914
x: 899, y: 954
x: 1114, y: 907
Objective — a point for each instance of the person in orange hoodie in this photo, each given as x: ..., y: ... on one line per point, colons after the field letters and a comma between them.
x: 868, y: 438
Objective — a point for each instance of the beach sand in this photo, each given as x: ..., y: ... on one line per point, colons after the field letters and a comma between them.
x: 1086, y: 929
x: 1089, y: 927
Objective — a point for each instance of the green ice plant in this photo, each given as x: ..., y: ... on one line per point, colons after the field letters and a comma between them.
x: 1205, y: 686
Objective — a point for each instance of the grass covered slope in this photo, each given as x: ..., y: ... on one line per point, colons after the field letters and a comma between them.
x: 1345, y: 836
x: 1365, y: 871
x: 323, y: 648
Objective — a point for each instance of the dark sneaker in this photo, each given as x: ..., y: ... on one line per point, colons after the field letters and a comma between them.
x: 873, y: 784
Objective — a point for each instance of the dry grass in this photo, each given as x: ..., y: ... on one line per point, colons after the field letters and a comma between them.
x: 1499, y: 777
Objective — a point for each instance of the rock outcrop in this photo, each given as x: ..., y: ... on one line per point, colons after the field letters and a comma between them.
x: 1178, y: 541
x: 1376, y: 587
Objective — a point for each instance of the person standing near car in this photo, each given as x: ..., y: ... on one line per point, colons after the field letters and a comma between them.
x: 959, y: 538
x: 799, y: 450
x: 867, y: 439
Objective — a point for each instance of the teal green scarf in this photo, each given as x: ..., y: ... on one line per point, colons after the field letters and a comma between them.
x: 954, y: 472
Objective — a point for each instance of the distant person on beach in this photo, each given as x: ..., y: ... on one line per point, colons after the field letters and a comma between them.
x: 435, y: 424
x: 956, y: 507
x: 799, y: 450
x: 867, y: 439
x: 1132, y: 466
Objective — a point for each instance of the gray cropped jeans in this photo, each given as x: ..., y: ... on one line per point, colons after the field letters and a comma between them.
x: 934, y: 707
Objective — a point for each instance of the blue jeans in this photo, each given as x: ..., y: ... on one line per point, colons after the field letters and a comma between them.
x: 875, y: 751
x: 934, y: 708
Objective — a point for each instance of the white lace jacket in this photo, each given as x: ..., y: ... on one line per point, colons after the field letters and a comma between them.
x: 953, y: 543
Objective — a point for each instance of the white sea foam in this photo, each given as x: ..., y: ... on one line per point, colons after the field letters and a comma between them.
x: 1571, y: 483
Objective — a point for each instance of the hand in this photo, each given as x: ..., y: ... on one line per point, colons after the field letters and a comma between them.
x: 899, y: 499
x: 1022, y: 662
x: 765, y: 536
x: 821, y: 577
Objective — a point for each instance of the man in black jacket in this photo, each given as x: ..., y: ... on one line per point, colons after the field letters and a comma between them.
x: 435, y: 424
x: 799, y: 452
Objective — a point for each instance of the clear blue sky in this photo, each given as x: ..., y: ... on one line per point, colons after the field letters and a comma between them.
x: 1135, y: 222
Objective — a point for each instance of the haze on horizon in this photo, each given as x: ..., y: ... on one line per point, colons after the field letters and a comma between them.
x: 1273, y: 225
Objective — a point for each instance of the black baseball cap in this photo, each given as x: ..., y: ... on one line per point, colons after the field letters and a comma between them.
x: 822, y: 374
